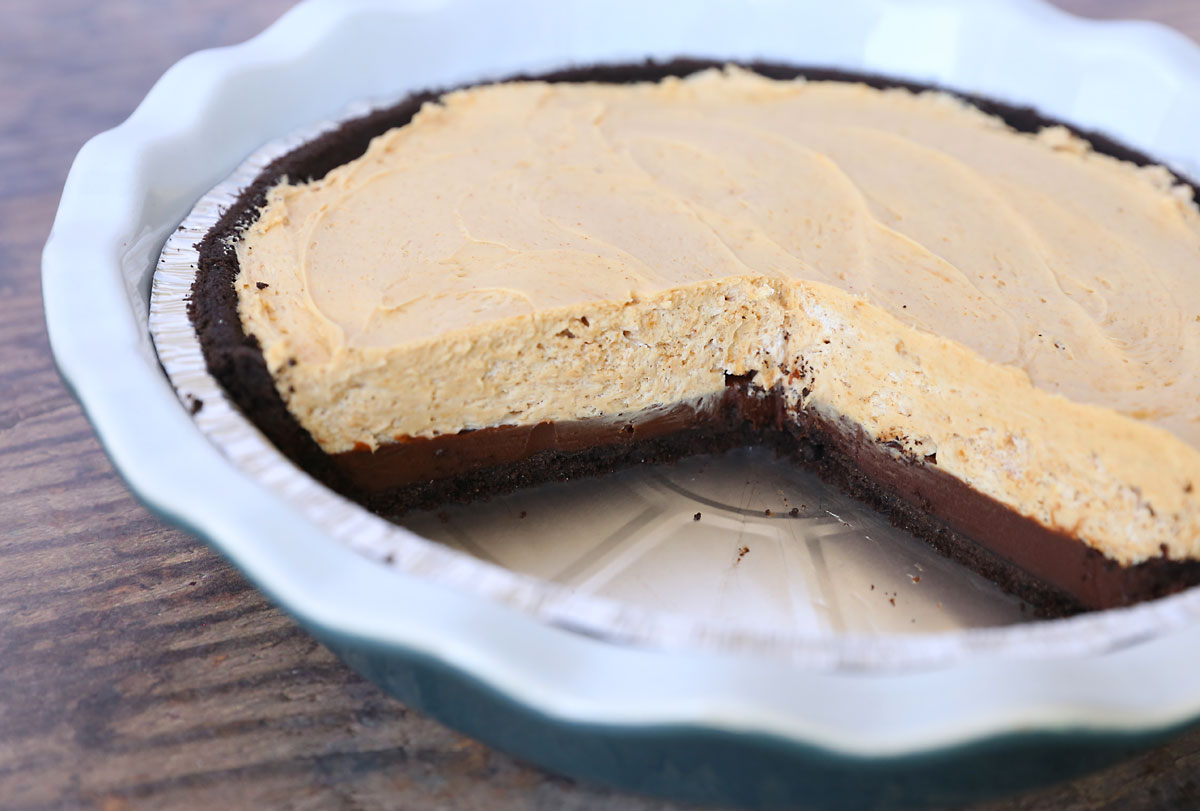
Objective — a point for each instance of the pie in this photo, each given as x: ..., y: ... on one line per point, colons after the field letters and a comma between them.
x: 985, y: 323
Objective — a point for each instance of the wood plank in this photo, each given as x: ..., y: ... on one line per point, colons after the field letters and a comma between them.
x: 137, y: 669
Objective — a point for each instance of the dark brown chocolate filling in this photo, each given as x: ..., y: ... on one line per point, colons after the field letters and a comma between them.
x: 1056, y: 573
x: 410, y: 460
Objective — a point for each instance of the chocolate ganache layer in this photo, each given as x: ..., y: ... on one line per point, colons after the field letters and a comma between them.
x: 965, y: 313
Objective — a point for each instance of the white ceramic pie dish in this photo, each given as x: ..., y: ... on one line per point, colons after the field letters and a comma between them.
x: 130, y: 188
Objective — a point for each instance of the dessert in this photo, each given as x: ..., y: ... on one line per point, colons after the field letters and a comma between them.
x: 989, y: 333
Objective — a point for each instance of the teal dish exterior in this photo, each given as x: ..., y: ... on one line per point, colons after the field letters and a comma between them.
x: 701, y: 765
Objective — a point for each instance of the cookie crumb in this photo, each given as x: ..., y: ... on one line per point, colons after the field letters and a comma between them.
x: 261, y: 285
x: 794, y: 512
x: 696, y: 517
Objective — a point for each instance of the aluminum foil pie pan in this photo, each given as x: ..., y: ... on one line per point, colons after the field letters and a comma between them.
x: 624, y: 558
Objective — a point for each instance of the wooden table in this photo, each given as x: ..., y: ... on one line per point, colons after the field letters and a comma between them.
x: 137, y: 669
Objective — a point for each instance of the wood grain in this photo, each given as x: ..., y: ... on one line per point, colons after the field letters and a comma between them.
x: 138, y: 670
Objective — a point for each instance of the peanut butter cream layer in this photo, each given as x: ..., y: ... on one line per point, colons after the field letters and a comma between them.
x: 1016, y: 309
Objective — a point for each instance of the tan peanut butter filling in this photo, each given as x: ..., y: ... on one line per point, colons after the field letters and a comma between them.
x: 1016, y: 307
